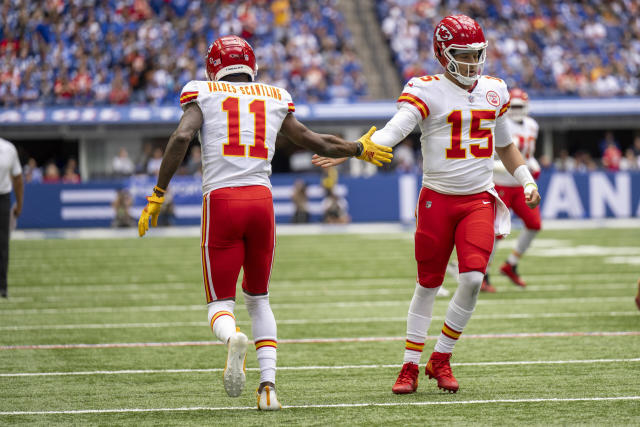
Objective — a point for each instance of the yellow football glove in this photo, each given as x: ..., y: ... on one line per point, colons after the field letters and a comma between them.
x: 372, y: 152
x: 152, y: 210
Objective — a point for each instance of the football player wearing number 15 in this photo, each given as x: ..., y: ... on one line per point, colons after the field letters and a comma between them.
x: 237, y: 120
x: 461, y: 115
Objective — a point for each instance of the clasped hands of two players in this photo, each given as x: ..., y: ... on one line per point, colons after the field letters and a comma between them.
x: 371, y: 152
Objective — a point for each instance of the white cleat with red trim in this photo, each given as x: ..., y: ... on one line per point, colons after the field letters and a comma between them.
x: 234, y: 371
x: 267, y: 399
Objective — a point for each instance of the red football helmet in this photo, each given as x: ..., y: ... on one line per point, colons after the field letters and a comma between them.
x: 519, y: 108
x: 459, y: 32
x: 230, y: 55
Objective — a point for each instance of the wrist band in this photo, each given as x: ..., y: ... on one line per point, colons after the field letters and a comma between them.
x: 523, y: 176
x: 159, y: 190
x: 360, y: 149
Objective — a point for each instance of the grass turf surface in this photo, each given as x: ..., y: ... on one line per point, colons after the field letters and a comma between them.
x: 65, y: 292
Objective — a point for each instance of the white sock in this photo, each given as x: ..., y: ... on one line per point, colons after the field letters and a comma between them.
x: 460, y: 310
x: 524, y: 240
x: 493, y: 252
x: 221, y: 319
x: 264, y: 329
x: 418, y: 321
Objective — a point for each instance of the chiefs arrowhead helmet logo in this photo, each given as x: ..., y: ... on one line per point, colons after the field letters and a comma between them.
x: 443, y: 34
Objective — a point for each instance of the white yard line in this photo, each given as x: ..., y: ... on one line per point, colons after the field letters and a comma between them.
x: 65, y: 293
x: 341, y: 304
x: 311, y: 368
x: 123, y: 282
x: 317, y: 340
x: 332, y: 406
x: 476, y: 317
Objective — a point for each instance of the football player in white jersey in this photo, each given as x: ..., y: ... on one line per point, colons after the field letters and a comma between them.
x: 237, y: 121
x: 524, y: 130
x: 461, y: 115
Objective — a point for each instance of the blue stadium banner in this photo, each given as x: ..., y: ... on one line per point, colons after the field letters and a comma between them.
x: 380, y: 198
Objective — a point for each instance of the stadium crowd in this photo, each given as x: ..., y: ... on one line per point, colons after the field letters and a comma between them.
x: 547, y: 47
x: 96, y: 52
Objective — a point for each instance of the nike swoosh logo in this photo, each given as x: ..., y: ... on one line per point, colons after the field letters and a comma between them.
x: 484, y: 202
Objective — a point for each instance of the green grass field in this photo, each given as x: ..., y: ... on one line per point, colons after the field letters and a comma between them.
x: 564, y: 351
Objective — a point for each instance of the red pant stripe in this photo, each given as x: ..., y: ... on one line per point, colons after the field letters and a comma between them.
x: 206, y: 265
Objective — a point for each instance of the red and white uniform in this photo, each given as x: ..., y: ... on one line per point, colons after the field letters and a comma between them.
x: 525, y: 134
x: 457, y: 204
x: 238, y: 136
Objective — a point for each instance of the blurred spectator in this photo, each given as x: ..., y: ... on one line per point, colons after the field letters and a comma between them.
x: 609, y: 138
x: 70, y: 175
x: 545, y: 162
x: 194, y: 163
x: 405, y: 157
x: 122, y: 165
x: 32, y: 173
x: 167, y: 214
x: 589, y: 48
x: 584, y: 162
x: 153, y: 165
x: 51, y: 173
x: 300, y: 202
x: 636, y: 145
x: 335, y: 209
x: 121, y: 205
x: 94, y: 52
x: 630, y: 162
x: 564, y: 162
x: 145, y: 156
x: 611, y: 156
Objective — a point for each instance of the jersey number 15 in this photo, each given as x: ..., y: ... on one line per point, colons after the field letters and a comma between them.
x: 232, y: 147
x: 456, y: 151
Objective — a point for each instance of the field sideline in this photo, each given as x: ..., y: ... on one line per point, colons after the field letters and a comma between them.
x: 101, y: 329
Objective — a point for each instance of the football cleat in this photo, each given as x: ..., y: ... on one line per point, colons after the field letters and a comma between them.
x: 512, y: 273
x: 438, y: 367
x: 267, y: 399
x: 486, y: 285
x: 407, y: 381
x: 234, y: 371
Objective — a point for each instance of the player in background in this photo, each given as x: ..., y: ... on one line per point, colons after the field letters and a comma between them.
x: 237, y: 121
x: 524, y: 130
x: 638, y: 295
x: 461, y: 115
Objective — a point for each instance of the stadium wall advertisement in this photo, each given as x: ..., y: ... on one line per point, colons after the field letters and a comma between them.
x: 380, y: 198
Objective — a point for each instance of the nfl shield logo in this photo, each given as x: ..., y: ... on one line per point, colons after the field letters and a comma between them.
x: 428, y: 204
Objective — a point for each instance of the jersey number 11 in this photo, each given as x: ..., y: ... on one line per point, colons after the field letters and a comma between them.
x: 233, y: 148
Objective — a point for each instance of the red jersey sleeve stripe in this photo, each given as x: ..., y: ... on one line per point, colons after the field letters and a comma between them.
x: 504, y: 108
x: 291, y: 107
x: 416, y: 102
x: 188, y: 99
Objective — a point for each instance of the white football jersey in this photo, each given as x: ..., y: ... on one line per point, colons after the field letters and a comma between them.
x: 524, y: 135
x: 458, y: 130
x: 238, y: 135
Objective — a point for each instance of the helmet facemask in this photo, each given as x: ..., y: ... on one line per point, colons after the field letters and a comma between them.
x: 455, y: 66
x: 518, y: 110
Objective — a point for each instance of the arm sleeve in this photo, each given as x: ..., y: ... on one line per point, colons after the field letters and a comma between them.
x: 189, y: 94
x: 397, y: 129
x: 503, y: 132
